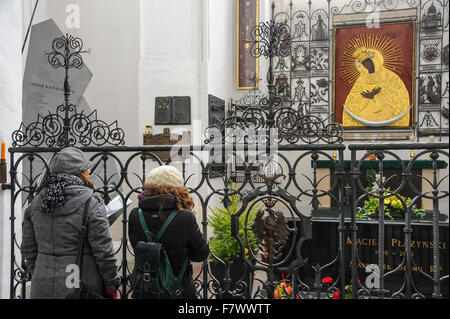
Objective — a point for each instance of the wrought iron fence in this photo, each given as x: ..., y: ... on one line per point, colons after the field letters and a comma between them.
x: 283, y: 225
x: 387, y: 190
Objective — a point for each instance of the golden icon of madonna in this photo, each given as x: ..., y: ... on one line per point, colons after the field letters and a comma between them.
x: 374, y: 77
x: 379, y: 97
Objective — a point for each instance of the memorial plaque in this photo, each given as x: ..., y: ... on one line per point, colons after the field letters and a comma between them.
x: 216, y: 110
x: 216, y: 114
x: 43, y: 92
x: 43, y: 85
x: 322, y: 249
x: 181, y: 110
x: 163, y: 110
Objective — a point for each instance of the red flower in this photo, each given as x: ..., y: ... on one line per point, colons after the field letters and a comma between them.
x: 327, y: 280
x: 336, y: 295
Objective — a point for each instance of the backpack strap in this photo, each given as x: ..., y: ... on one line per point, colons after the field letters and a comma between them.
x: 148, y: 234
x: 166, y: 223
x: 161, y: 232
x: 183, y: 269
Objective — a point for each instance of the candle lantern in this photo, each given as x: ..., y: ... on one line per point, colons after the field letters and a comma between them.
x: 3, y: 164
x: 147, y: 129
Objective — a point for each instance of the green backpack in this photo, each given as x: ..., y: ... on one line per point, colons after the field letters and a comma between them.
x: 152, y: 276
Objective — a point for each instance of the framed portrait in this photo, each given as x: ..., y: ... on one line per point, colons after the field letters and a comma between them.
x: 246, y: 64
x: 374, y: 75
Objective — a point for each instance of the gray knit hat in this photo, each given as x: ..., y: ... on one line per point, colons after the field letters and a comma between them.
x: 165, y: 175
x: 69, y: 160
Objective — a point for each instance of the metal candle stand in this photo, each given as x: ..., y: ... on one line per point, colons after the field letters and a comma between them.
x: 3, y: 176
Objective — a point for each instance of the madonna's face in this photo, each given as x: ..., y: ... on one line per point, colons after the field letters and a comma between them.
x: 368, y: 64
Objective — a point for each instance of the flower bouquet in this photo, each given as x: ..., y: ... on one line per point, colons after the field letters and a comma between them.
x: 393, y: 207
x: 393, y: 204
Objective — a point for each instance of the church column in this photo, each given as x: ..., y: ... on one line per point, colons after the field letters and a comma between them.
x: 11, y: 115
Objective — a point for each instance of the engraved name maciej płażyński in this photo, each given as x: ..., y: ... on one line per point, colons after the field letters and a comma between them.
x: 394, y: 250
x: 321, y: 249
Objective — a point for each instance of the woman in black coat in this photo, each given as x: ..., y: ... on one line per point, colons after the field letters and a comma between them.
x: 164, y: 192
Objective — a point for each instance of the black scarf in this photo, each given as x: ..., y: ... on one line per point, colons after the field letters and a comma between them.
x: 55, y: 184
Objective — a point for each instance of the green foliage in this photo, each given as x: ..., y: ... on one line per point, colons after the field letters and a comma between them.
x: 392, y: 204
x: 348, y: 292
x: 223, y: 244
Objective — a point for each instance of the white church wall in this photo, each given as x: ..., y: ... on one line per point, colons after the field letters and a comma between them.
x: 110, y: 29
x: 11, y: 115
x: 221, y: 23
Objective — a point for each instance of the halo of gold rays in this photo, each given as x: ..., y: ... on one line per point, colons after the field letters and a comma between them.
x: 386, y: 45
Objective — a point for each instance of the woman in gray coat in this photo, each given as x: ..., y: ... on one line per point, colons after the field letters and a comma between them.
x: 51, y: 232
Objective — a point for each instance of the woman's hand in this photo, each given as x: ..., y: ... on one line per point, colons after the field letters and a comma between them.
x: 111, y: 294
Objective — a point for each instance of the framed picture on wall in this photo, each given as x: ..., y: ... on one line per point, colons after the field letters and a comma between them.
x: 246, y: 64
x: 163, y: 110
x: 374, y: 75
x: 181, y: 110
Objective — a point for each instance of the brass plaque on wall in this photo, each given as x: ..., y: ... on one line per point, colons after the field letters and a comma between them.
x: 163, y: 110
x: 172, y: 110
x: 181, y: 110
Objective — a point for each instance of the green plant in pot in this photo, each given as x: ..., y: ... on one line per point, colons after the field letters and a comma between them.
x: 224, y: 245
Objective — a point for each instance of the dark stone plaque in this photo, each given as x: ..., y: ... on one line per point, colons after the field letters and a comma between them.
x: 323, y: 249
x: 216, y: 114
x: 181, y: 110
x: 163, y: 110
x: 216, y: 110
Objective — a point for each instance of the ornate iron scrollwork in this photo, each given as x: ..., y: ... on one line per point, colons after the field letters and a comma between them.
x: 85, y: 129
x: 273, y: 39
x: 67, y: 127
